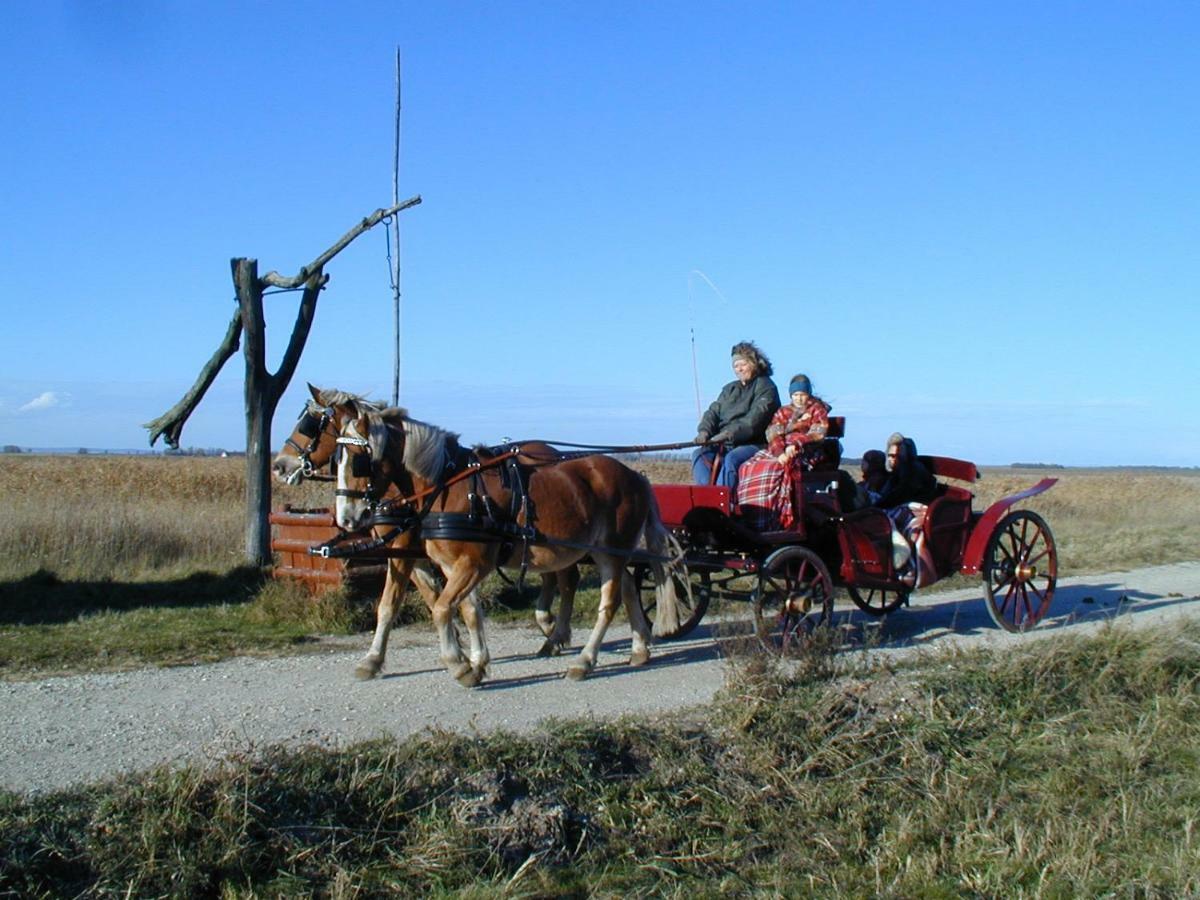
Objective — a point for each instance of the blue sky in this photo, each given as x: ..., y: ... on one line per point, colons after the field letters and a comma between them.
x: 977, y: 224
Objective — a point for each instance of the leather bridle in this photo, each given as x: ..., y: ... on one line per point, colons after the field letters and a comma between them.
x: 311, y: 426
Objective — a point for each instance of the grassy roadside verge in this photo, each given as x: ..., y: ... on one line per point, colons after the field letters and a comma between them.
x: 1069, y: 768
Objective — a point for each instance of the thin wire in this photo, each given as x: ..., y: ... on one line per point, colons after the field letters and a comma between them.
x: 396, y: 270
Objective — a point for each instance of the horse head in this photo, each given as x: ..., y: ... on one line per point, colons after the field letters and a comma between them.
x: 368, y: 460
x: 311, y: 444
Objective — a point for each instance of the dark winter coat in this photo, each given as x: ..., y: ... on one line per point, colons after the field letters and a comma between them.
x: 909, y: 482
x: 742, y: 410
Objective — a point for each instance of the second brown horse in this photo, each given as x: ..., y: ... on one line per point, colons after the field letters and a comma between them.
x: 590, y: 506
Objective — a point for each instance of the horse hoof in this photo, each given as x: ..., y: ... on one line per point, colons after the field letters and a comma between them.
x: 639, y: 658
x: 366, y: 670
x: 550, y: 648
x: 470, y: 678
x: 459, y: 671
x: 578, y: 673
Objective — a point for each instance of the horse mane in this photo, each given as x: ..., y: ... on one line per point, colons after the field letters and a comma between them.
x: 425, y: 445
x: 333, y: 397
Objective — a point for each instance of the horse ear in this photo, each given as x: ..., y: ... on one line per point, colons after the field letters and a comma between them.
x: 316, y: 393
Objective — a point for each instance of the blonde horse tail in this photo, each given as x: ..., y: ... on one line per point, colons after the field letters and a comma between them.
x: 658, y: 541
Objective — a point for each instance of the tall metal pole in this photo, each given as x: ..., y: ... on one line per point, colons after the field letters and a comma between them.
x: 396, y: 257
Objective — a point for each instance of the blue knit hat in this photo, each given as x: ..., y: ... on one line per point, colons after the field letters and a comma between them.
x: 800, y: 383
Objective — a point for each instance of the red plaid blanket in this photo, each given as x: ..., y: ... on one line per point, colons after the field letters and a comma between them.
x: 764, y: 492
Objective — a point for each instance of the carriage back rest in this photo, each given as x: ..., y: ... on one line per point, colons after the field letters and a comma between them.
x: 826, y: 455
x: 948, y: 467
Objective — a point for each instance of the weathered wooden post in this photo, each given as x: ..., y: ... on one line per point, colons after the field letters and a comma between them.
x: 262, y: 388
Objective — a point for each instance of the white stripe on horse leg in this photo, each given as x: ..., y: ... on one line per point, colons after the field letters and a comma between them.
x: 472, y: 615
x: 640, y: 651
x: 609, y: 595
x: 385, y: 614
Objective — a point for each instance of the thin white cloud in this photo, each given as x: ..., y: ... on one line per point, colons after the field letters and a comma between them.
x: 45, y: 400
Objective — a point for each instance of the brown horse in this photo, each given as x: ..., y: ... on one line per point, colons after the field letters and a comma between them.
x: 569, y: 509
x: 311, y: 446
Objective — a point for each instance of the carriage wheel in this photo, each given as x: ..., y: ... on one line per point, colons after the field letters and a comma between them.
x: 1020, y: 570
x: 878, y: 602
x: 693, y: 604
x: 794, y: 596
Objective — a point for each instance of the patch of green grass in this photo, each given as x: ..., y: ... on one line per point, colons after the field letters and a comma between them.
x: 1069, y: 768
x: 97, y: 627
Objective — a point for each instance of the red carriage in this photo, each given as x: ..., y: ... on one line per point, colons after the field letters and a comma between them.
x: 792, y: 576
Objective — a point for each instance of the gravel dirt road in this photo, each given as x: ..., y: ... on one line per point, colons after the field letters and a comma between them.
x: 65, y: 731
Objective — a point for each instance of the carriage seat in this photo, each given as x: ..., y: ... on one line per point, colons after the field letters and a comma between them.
x: 826, y: 455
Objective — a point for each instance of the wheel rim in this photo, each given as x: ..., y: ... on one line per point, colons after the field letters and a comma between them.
x: 876, y: 601
x: 691, y: 611
x: 1021, y: 571
x: 794, y: 597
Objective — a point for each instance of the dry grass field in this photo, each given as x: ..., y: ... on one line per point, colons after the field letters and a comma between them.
x: 139, y: 518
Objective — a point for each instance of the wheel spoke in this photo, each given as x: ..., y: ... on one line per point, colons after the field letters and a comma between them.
x: 1042, y: 555
x: 800, y: 572
x: 1025, y: 599
x: 1008, y: 596
x: 1001, y: 581
x: 1041, y: 597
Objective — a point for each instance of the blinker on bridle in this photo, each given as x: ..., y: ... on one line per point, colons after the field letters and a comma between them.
x: 361, y: 466
x: 310, y: 426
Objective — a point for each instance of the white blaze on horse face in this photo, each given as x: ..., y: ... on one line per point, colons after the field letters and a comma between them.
x: 350, y: 512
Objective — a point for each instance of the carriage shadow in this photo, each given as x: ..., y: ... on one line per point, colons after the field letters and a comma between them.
x: 664, y: 655
x: 44, y: 599
x: 967, y: 616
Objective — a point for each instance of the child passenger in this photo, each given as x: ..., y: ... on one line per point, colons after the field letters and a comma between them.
x: 874, y: 476
x: 766, y: 480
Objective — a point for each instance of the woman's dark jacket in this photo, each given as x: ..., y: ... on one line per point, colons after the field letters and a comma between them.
x: 743, y: 410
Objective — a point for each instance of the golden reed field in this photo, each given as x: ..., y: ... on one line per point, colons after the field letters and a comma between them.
x: 140, y: 517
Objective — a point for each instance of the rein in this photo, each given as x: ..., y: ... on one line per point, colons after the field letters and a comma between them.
x: 628, y: 448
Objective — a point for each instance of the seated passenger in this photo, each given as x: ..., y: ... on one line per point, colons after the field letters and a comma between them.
x: 766, y: 481
x: 874, y: 474
x: 908, y: 480
x: 737, y: 419
x: 909, y: 487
